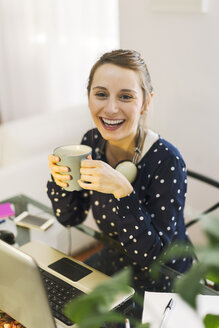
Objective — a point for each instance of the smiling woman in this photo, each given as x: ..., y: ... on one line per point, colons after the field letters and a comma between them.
x: 145, y: 213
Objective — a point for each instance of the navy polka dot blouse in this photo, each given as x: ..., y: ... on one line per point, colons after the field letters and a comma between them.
x: 144, y: 222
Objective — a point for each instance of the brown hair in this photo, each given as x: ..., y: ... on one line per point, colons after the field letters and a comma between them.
x: 130, y: 59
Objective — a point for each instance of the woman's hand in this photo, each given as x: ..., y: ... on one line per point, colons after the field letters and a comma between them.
x: 56, y: 170
x: 103, y: 178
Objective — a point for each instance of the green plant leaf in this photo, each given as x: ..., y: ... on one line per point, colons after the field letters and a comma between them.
x: 96, y: 321
x: 143, y: 325
x: 213, y: 275
x: 96, y: 305
x: 211, y: 321
x: 188, y: 286
x: 138, y: 299
x: 210, y: 225
x: 176, y: 250
x: 209, y: 255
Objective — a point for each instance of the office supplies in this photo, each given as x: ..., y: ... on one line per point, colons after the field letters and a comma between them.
x: 2, y: 221
x: 6, y: 210
x: 166, y: 312
x: 22, y: 288
x: 182, y: 315
x: 127, y: 323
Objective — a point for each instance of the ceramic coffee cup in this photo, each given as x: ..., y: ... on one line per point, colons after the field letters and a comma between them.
x: 71, y: 156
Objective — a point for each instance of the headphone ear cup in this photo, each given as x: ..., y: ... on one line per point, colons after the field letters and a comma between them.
x: 128, y: 169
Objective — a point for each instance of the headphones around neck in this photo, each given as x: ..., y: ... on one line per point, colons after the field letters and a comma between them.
x: 128, y: 168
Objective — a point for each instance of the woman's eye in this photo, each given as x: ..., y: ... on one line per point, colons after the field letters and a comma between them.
x: 126, y: 97
x: 100, y: 94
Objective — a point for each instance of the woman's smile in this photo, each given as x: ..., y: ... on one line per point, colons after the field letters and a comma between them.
x: 111, y: 124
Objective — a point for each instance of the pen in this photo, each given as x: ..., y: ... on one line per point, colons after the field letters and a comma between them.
x: 2, y: 221
x: 127, y: 324
x: 166, y: 313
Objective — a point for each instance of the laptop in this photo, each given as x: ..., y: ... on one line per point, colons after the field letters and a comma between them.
x: 36, y: 280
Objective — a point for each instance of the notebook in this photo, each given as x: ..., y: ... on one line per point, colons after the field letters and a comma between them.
x: 23, y: 293
x: 181, y: 314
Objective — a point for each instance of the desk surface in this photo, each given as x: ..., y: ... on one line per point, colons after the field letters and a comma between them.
x: 22, y: 203
x: 23, y: 235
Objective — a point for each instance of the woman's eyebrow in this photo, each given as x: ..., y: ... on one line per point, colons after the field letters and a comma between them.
x: 99, y: 87
x: 123, y: 90
x: 128, y: 90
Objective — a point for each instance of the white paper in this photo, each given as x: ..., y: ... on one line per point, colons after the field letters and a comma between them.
x: 181, y: 315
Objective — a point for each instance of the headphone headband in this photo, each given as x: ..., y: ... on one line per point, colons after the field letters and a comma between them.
x: 138, y: 146
x: 128, y: 168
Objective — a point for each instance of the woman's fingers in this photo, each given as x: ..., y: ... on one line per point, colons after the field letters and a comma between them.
x: 88, y: 178
x: 54, y: 167
x: 88, y: 171
x: 90, y: 163
x: 59, y: 179
x: 53, y: 158
x: 56, y: 170
x: 61, y: 184
x: 84, y: 185
x: 62, y: 176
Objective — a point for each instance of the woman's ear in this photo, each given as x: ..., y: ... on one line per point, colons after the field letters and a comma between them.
x: 144, y: 109
x: 147, y: 103
x: 148, y: 99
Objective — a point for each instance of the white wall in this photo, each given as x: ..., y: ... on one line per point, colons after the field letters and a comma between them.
x: 47, y: 49
x: 182, y: 54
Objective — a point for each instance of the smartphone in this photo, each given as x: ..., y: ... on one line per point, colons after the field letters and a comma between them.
x: 33, y: 221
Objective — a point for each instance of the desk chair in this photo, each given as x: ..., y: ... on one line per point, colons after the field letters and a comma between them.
x: 213, y: 183
x: 210, y: 182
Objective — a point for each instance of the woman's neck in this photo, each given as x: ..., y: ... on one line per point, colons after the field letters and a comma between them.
x: 117, y: 152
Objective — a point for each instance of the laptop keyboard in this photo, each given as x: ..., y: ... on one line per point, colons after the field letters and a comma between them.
x: 59, y: 293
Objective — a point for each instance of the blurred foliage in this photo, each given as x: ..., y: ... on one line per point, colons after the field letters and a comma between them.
x: 189, y: 285
x: 93, y: 310
x: 211, y: 321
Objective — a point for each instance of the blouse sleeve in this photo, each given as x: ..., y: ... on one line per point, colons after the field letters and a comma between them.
x: 146, y: 228
x: 70, y: 208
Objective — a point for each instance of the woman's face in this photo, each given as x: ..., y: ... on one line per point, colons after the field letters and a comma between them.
x: 116, y: 102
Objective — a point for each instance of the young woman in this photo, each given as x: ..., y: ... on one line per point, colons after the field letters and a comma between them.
x: 142, y: 207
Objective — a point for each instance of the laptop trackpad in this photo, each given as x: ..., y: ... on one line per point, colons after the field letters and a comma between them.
x: 70, y: 269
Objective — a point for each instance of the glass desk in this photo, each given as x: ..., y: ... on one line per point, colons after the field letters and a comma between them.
x: 22, y: 203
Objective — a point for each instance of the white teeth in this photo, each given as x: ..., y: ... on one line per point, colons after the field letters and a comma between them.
x: 112, y: 122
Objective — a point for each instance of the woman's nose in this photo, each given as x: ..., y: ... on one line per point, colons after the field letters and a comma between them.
x: 111, y: 107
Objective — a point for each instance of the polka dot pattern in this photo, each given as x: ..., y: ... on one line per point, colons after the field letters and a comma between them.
x: 146, y: 220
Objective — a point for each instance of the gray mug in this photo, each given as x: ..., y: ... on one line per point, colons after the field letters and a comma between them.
x: 71, y: 156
